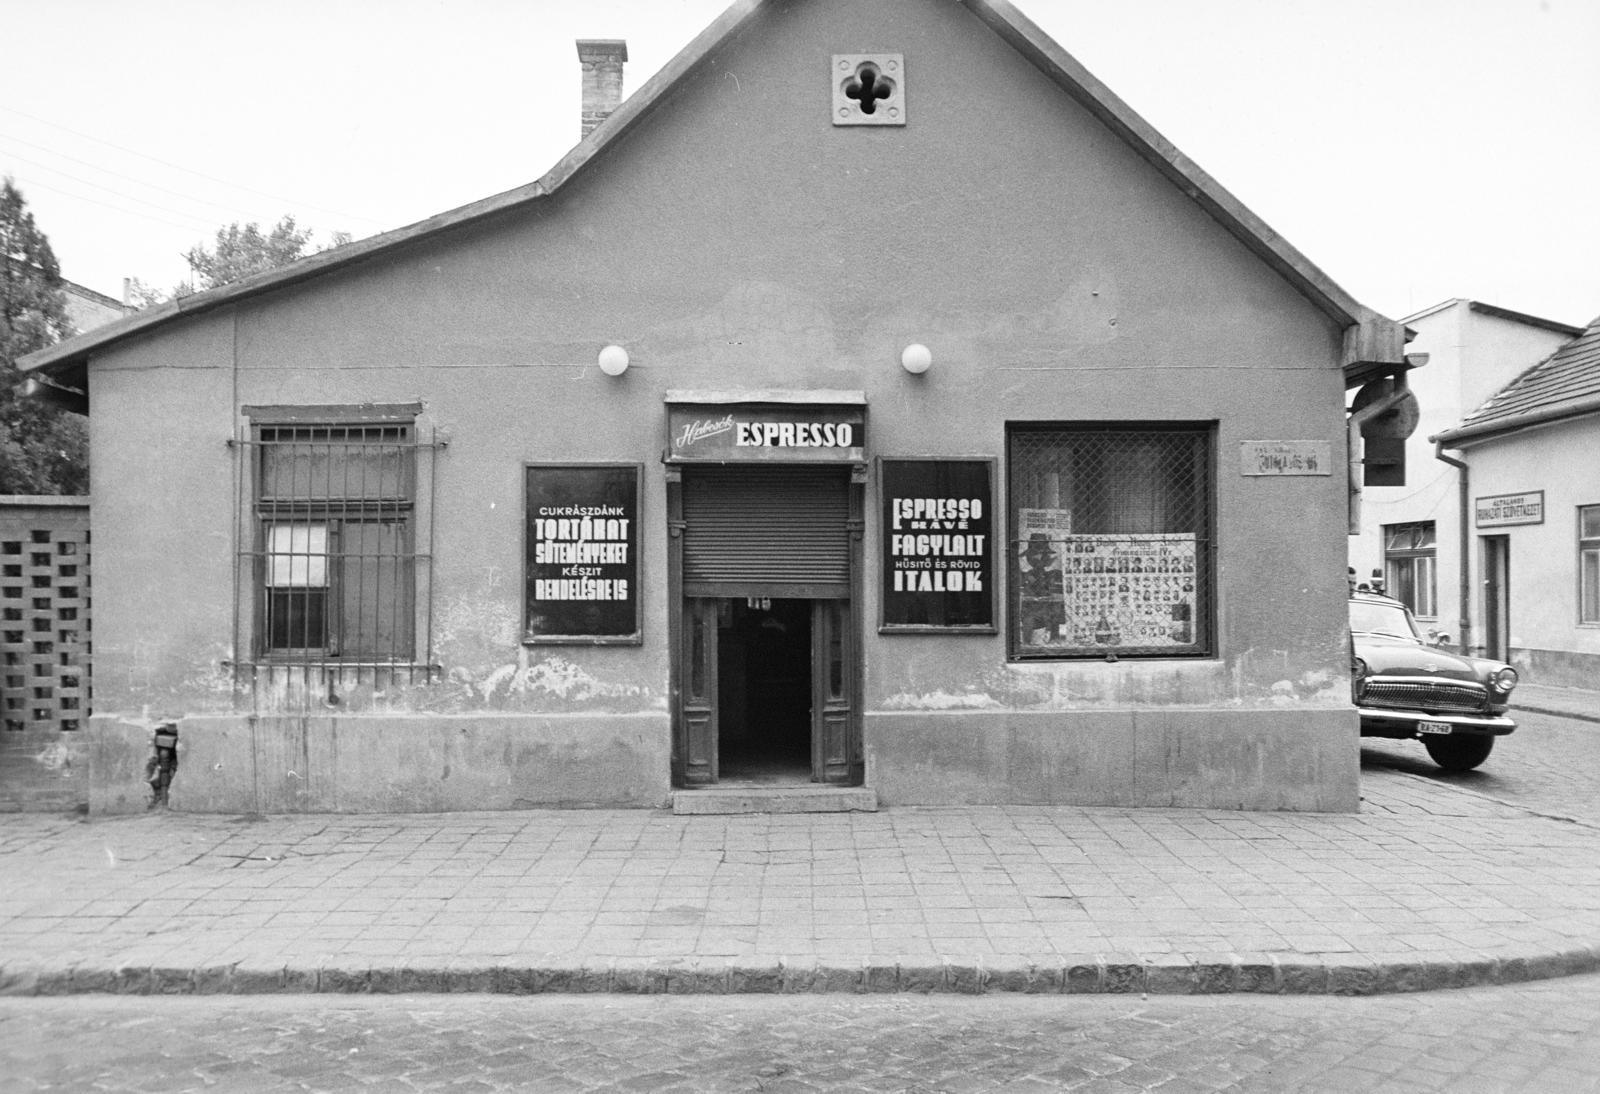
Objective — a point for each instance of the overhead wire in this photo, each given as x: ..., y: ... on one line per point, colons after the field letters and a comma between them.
x: 197, y: 220
x: 189, y: 170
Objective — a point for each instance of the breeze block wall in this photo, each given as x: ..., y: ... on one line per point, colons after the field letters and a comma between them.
x: 44, y: 653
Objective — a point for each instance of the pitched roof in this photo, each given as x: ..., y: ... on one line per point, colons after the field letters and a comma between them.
x: 1564, y: 385
x: 1373, y: 344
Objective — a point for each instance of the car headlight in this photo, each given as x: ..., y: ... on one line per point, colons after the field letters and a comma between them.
x: 1503, y: 679
x: 1358, y: 668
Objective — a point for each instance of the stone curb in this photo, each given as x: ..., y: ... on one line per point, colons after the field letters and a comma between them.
x: 1090, y: 974
x: 1534, y: 708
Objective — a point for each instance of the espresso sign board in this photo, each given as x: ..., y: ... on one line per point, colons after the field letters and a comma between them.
x: 938, y: 545
x: 581, y: 575
x: 724, y: 433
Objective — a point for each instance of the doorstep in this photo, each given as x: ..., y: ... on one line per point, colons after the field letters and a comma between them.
x: 712, y: 800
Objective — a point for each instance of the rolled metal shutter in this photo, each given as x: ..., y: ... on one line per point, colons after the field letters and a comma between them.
x: 767, y: 525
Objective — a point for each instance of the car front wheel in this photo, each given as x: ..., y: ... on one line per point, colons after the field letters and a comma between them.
x: 1459, y: 753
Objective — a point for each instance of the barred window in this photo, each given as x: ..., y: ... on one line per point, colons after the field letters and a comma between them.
x: 335, y: 542
x: 1111, y: 540
x: 1409, y: 552
x: 1589, y: 564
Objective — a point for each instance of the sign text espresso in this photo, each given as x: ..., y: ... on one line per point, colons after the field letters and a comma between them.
x: 766, y: 433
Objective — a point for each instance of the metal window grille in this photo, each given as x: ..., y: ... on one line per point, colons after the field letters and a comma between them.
x: 334, y: 548
x: 1409, y: 552
x: 1111, y: 541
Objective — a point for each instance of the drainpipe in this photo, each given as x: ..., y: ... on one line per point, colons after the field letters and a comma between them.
x: 1464, y: 500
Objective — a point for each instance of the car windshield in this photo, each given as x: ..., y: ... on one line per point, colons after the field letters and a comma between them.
x: 1367, y: 617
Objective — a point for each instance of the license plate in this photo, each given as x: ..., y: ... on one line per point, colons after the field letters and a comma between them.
x: 1433, y: 727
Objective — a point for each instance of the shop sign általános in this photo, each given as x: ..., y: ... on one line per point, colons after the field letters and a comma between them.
x: 1501, y: 510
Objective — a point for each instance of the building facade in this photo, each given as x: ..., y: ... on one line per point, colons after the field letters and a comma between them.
x: 1411, y: 535
x: 918, y: 422
x: 1533, y: 566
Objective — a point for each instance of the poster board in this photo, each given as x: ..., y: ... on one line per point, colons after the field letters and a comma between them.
x: 1107, y: 593
x: 938, y: 555
x: 581, y: 554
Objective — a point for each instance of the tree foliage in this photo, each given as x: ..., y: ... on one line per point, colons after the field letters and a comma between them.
x: 43, y: 449
x: 242, y: 250
x: 238, y: 251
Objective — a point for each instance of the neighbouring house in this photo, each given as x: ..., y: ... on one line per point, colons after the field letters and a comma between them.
x: 1411, y: 534
x: 1527, y: 464
x: 44, y: 628
x: 87, y: 309
x: 873, y: 408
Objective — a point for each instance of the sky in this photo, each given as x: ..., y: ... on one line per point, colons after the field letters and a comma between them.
x: 1415, y: 150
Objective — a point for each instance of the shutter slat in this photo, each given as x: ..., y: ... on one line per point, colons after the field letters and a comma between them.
x: 756, y: 524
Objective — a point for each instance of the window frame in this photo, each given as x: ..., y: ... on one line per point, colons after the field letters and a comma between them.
x: 1588, y: 548
x: 336, y: 512
x: 1412, y: 558
x: 1203, y: 608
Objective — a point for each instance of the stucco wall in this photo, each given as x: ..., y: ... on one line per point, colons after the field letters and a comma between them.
x: 739, y: 240
x: 1471, y: 355
x: 1549, y: 645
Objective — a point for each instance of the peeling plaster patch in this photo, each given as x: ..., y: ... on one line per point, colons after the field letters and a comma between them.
x: 551, y: 678
x: 941, y: 700
x: 56, y: 757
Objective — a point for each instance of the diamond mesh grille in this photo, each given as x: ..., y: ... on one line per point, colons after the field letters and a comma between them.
x: 1111, y: 541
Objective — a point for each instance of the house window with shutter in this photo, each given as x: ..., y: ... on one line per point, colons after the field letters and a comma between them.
x: 331, y: 537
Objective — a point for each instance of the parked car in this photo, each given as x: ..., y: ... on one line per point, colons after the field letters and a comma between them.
x: 1410, y: 689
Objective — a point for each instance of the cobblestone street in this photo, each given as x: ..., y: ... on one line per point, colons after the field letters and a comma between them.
x: 1540, y: 1037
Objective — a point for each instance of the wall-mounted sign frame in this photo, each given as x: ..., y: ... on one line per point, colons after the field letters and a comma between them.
x: 766, y: 431
x: 1506, y: 510
x: 581, y: 535
x: 938, y: 554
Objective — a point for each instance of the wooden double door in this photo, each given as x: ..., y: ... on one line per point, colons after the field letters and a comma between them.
x: 766, y: 692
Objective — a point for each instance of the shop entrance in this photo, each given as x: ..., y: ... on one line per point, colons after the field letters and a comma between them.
x: 764, y: 666
x: 765, y: 652
x: 766, y: 700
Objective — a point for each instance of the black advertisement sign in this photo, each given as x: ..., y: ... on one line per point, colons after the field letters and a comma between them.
x: 582, y: 542
x: 938, y: 545
x: 750, y: 433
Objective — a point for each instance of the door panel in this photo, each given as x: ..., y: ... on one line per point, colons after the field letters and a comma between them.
x: 833, y: 758
x: 697, y: 714
x: 1497, y: 597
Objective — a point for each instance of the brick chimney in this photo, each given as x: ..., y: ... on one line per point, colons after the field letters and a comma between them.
x: 602, y: 60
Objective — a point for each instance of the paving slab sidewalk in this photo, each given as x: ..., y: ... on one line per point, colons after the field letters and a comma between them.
x: 1428, y: 887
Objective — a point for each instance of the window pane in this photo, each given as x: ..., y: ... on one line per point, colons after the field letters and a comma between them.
x: 297, y: 619
x: 1109, y: 541
x: 1426, y: 604
x: 375, y: 590
x: 297, y: 555
x: 1589, y: 585
x: 1589, y: 522
x: 319, y: 463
